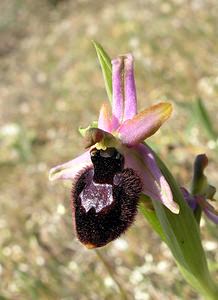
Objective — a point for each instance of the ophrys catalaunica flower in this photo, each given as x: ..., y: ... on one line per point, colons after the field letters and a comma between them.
x: 117, y: 166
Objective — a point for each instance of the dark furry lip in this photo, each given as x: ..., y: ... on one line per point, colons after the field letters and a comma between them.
x: 105, y: 199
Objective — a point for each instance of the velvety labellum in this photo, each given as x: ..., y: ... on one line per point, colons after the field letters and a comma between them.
x: 105, y: 199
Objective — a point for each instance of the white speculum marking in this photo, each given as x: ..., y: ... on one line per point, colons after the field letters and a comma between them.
x: 96, y: 195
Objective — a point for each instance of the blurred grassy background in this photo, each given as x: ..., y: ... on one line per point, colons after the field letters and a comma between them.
x: 50, y: 83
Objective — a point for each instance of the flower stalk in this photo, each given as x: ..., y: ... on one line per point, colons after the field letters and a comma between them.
x: 112, y: 274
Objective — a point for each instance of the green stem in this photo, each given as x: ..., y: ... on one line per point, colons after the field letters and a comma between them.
x: 112, y: 275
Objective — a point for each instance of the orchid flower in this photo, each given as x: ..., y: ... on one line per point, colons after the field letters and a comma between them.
x: 124, y: 130
x: 202, y: 191
x: 195, y: 201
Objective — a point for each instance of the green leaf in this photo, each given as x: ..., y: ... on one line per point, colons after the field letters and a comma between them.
x: 106, y: 68
x: 204, y: 118
x: 151, y: 217
x: 183, y: 238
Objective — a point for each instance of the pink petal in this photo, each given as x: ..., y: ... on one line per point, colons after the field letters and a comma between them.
x: 71, y: 168
x: 144, y: 124
x: 208, y: 209
x: 141, y: 159
x: 104, y: 120
x: 130, y: 105
x: 118, y: 94
x: 190, y: 199
x: 124, y: 104
x: 211, y: 214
